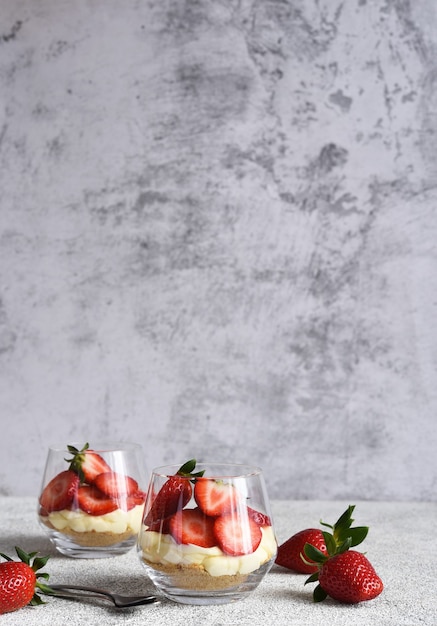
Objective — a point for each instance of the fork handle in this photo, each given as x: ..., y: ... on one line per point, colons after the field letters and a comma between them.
x: 75, y: 591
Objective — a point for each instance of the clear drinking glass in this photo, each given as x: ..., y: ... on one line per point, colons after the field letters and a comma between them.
x: 92, y: 501
x: 210, y: 539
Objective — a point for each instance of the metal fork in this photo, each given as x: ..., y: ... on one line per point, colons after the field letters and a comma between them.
x: 77, y: 592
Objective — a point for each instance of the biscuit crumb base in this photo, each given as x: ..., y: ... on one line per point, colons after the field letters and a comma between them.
x: 195, y: 577
x: 92, y: 539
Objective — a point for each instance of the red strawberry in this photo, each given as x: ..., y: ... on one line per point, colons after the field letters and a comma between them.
x: 59, y: 493
x: 92, y: 501
x: 115, y: 485
x: 87, y: 463
x: 133, y: 500
x: 237, y: 535
x: 216, y: 497
x: 173, y: 495
x: 349, y: 577
x: 260, y: 518
x: 289, y: 553
x: 19, y: 580
x: 344, y: 574
x: 193, y: 526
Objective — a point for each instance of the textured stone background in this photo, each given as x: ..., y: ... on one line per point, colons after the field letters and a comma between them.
x: 219, y: 237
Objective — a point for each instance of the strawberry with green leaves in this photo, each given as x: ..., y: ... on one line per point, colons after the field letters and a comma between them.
x: 90, y: 485
x: 345, y: 575
x: 86, y: 463
x: 291, y: 553
x: 19, y: 581
x: 174, y: 495
x: 348, y: 577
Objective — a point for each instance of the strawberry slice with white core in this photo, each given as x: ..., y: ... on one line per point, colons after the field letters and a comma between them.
x: 114, y: 484
x: 92, y: 501
x: 237, y: 535
x: 93, y: 465
x: 59, y: 493
x: 194, y: 527
x: 216, y: 497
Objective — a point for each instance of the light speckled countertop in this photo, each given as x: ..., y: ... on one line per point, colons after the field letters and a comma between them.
x: 401, y: 546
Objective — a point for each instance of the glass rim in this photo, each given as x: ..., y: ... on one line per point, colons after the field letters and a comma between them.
x: 103, y: 446
x: 219, y: 470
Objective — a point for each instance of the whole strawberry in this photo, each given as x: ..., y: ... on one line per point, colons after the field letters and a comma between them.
x: 290, y: 553
x: 348, y: 577
x: 345, y: 575
x: 19, y: 581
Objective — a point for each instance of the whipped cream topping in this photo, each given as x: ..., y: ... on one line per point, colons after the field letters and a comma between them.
x: 162, y: 548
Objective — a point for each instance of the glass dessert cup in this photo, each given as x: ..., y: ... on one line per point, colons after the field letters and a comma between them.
x: 92, y: 501
x: 207, y: 539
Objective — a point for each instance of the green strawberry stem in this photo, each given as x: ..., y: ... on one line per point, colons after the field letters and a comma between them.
x: 187, y: 469
x: 77, y: 459
x: 35, y: 563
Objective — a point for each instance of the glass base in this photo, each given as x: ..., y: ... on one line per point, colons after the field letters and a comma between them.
x: 67, y: 546
x: 219, y: 590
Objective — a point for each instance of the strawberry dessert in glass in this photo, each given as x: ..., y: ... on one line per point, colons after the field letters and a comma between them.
x: 91, y: 502
x: 207, y: 535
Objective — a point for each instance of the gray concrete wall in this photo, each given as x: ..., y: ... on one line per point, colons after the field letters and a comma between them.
x: 218, y: 237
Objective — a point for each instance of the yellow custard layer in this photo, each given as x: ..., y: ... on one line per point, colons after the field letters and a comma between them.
x: 162, y: 549
x: 117, y: 522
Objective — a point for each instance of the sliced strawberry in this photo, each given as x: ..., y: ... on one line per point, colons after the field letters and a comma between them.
x: 260, y: 518
x: 59, y: 493
x: 193, y: 526
x: 135, y: 499
x: 114, y: 484
x: 236, y: 535
x: 92, y: 501
x: 215, y: 497
x: 173, y: 495
x: 93, y: 465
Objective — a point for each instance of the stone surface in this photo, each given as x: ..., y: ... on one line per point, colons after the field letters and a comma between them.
x: 218, y: 237
x: 281, y: 598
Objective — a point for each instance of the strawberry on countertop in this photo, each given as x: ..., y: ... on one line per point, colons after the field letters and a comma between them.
x: 290, y: 553
x: 345, y: 575
x: 348, y: 577
x: 19, y: 581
